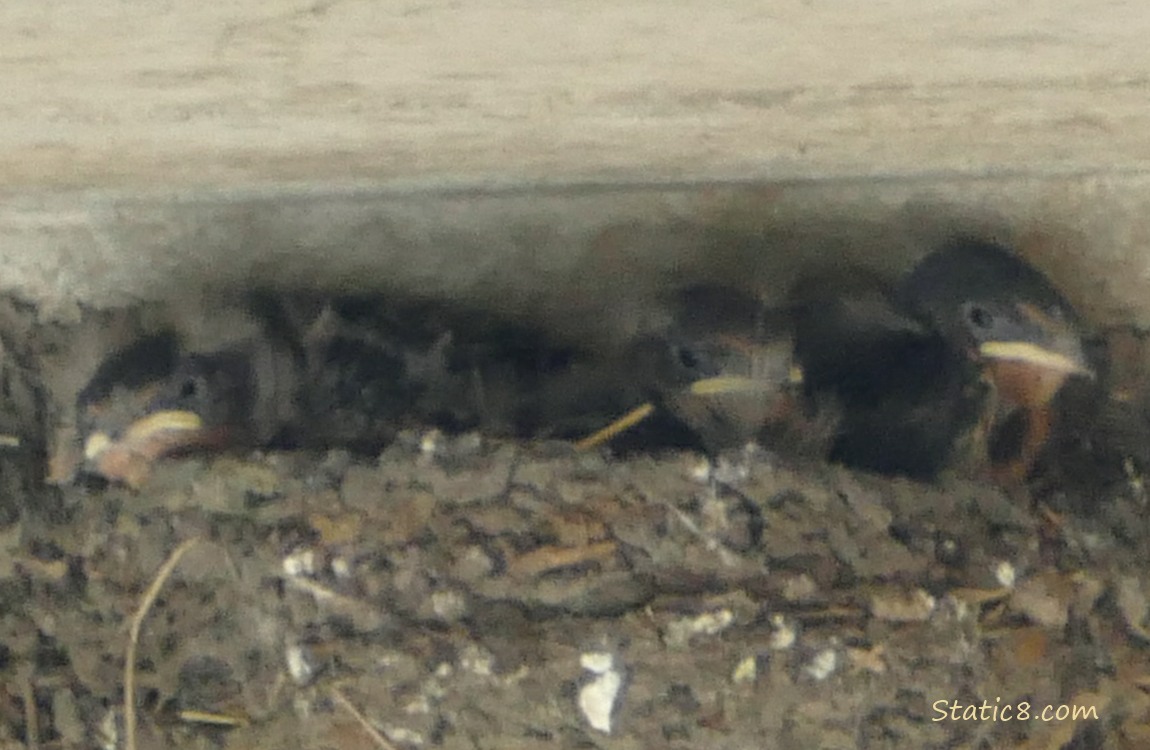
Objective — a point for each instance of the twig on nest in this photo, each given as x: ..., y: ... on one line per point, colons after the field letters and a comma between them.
x: 162, y: 575
x: 371, y: 731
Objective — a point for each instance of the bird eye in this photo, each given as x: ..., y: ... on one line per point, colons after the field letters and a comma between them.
x: 687, y: 358
x: 189, y: 388
x: 979, y: 317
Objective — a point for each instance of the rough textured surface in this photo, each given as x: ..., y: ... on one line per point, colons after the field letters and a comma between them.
x: 470, y: 590
x: 300, y: 140
x: 462, y: 593
x: 562, y: 161
x: 585, y: 258
x: 215, y: 94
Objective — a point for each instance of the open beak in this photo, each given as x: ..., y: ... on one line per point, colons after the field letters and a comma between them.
x: 128, y: 458
x: 1052, y: 346
x: 1031, y: 368
x: 718, y: 385
x: 724, y: 384
x: 1025, y: 352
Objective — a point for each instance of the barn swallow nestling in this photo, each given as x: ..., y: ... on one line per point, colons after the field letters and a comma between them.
x: 114, y: 397
x: 349, y: 374
x: 1021, y: 334
x: 957, y: 366
x: 902, y: 394
x: 149, y: 401
x: 725, y: 368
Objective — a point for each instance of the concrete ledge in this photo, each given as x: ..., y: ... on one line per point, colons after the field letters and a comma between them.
x: 176, y: 94
x: 587, y: 257
x: 566, y: 158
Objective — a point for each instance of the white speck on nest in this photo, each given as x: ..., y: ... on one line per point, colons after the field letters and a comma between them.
x: 477, y: 660
x: 341, y: 568
x: 784, y: 635
x: 746, y: 671
x: 299, y: 664
x: 823, y: 664
x: 599, y: 696
x: 448, y: 606
x: 680, y: 632
x: 404, y: 736
x: 701, y: 471
x: 429, y: 442
x: 299, y: 563
x: 1005, y: 574
x: 108, y: 733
